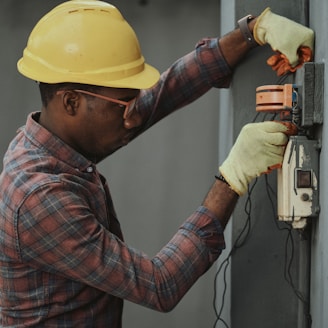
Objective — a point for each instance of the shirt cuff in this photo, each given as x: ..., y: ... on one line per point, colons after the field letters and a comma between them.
x: 208, y: 228
x: 213, y: 63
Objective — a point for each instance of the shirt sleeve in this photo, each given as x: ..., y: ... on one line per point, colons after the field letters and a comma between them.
x: 186, y: 80
x: 57, y: 233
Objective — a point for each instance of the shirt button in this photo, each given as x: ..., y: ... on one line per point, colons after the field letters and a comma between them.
x: 90, y: 169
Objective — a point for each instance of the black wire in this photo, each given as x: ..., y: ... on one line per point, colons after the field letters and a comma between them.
x: 288, y: 263
x: 269, y: 189
x: 239, y: 242
x: 247, y: 226
x: 218, y: 314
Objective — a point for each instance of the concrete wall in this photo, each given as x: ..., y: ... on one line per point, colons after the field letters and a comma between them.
x: 319, y: 266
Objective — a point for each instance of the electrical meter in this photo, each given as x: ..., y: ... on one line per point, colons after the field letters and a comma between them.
x: 297, y: 188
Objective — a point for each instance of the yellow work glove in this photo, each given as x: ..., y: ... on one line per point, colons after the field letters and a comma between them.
x: 283, y: 35
x: 258, y: 149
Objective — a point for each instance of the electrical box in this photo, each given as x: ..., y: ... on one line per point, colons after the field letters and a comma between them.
x: 298, y: 184
x: 300, y: 103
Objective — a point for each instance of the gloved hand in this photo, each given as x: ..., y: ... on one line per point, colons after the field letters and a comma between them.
x: 258, y: 149
x: 280, y: 63
x: 283, y: 35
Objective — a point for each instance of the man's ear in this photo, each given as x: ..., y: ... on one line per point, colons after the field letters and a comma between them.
x: 71, y: 102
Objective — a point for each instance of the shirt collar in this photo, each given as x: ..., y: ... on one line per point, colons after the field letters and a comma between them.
x: 54, y: 145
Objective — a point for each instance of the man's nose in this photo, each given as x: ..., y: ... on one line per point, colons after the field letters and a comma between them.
x: 134, y: 120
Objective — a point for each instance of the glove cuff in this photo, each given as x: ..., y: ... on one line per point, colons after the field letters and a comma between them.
x: 238, y: 185
x: 259, y: 30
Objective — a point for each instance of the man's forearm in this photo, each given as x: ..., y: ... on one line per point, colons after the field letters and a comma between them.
x: 233, y: 45
x: 221, y: 200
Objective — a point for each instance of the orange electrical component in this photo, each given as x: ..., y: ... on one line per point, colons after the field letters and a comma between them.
x: 274, y: 98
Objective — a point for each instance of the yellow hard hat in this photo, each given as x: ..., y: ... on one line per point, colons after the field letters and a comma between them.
x: 88, y: 42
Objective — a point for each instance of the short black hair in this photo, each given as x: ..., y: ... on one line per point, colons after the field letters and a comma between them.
x: 49, y: 90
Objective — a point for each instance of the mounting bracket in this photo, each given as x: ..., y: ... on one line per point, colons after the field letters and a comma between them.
x: 309, y: 82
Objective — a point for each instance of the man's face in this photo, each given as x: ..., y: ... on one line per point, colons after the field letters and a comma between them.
x: 100, y: 126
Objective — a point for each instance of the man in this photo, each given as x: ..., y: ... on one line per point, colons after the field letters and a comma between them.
x: 63, y: 259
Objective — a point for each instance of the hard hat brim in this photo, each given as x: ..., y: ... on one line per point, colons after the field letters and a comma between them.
x: 145, y: 79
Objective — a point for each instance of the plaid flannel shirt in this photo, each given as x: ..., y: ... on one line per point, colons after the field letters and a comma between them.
x: 63, y: 260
